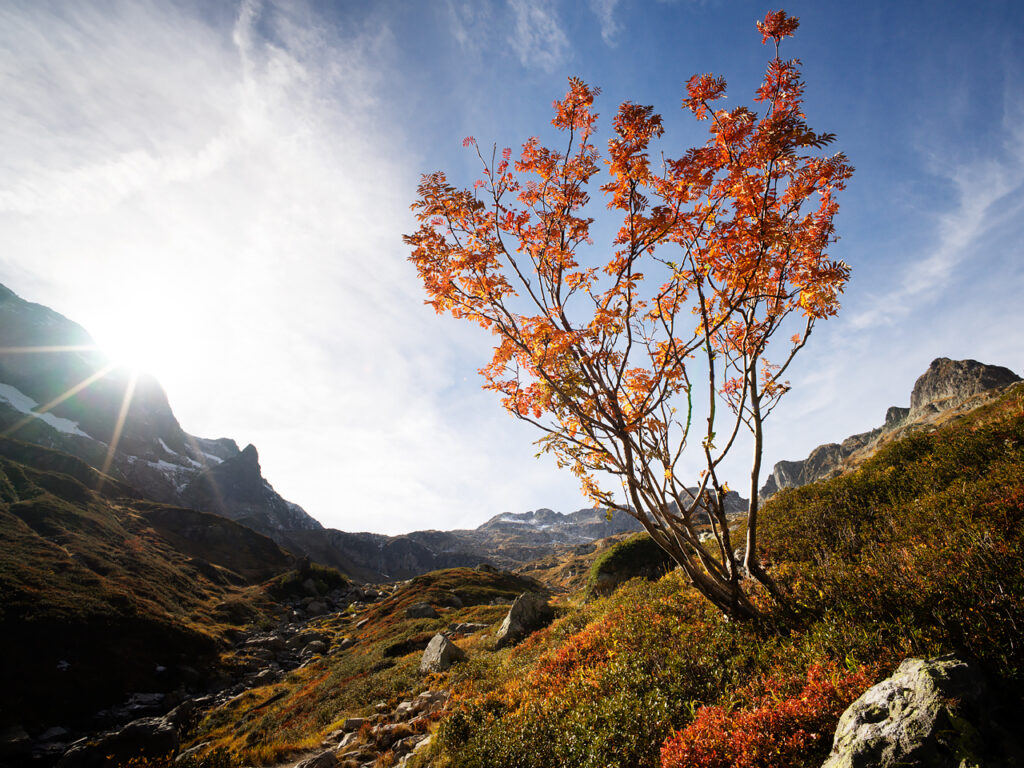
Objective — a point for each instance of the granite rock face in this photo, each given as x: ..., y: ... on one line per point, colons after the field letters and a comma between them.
x: 947, y: 386
x: 947, y: 383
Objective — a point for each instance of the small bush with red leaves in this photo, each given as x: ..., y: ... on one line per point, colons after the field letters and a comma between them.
x: 781, y: 731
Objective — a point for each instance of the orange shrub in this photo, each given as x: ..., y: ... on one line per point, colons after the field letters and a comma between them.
x: 781, y: 730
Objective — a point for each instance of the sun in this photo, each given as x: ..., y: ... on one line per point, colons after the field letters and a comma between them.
x: 132, y: 347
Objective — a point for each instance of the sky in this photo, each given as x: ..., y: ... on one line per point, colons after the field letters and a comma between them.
x: 218, y: 191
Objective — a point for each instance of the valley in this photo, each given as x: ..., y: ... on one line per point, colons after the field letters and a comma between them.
x: 163, y: 605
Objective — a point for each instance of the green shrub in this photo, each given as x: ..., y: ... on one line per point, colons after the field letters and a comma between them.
x: 637, y: 556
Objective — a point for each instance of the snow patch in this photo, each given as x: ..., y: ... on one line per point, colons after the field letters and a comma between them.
x: 166, y: 447
x: 22, y: 402
x: 511, y: 518
x: 213, y: 459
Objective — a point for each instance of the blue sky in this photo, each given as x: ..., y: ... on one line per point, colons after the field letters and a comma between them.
x: 217, y: 191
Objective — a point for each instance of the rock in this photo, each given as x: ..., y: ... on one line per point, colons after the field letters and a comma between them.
x: 466, y: 627
x: 404, y: 710
x: 353, y: 724
x: 323, y: 760
x: 934, y: 713
x: 54, y: 734
x: 440, y: 654
x: 429, y: 702
x: 948, y: 383
x: 182, y: 715
x: 421, y: 611
x: 300, y: 641
x: 529, y: 612
x: 273, y: 643
x: 346, y: 643
x: 362, y: 623
x: 315, y: 647
x: 152, y: 737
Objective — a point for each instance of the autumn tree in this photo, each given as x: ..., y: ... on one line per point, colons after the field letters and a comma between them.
x: 720, y: 249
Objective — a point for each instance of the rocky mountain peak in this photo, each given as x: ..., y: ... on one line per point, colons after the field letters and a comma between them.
x: 948, y: 383
x: 249, y: 457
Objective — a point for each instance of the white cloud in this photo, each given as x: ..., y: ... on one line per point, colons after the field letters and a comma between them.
x: 537, y: 36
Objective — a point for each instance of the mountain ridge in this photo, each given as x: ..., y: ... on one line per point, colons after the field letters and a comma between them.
x: 946, y: 389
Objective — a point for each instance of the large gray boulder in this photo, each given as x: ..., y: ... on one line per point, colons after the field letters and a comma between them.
x: 529, y: 612
x: 440, y: 654
x: 323, y: 760
x: 937, y: 713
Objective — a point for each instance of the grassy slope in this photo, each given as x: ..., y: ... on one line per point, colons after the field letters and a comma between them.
x: 112, y: 585
x: 266, y: 724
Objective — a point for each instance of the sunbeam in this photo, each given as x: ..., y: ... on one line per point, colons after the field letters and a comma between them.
x: 126, y: 402
x: 206, y: 467
x: 60, y: 398
x: 65, y: 348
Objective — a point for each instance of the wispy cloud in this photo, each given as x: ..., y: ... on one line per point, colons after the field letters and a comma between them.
x: 605, y: 12
x: 987, y: 182
x: 470, y: 22
x: 537, y: 36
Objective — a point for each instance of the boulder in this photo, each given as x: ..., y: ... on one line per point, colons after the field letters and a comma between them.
x: 421, y: 611
x: 440, y: 654
x: 353, y: 724
x: 14, y: 741
x: 152, y: 737
x: 323, y: 760
x: 529, y: 612
x: 935, y: 713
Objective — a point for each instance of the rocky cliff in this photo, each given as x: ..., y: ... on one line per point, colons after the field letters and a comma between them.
x: 947, y: 388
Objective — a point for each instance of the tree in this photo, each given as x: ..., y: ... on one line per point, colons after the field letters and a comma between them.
x: 719, y: 251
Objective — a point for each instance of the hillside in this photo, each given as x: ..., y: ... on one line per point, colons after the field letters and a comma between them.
x: 106, y: 593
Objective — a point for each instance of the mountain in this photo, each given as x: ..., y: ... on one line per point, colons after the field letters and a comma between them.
x: 58, y: 390
x: 948, y: 388
x: 508, y: 540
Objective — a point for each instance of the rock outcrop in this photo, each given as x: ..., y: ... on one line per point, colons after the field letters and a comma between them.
x: 948, y: 383
x: 946, y: 388
x: 937, y: 713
